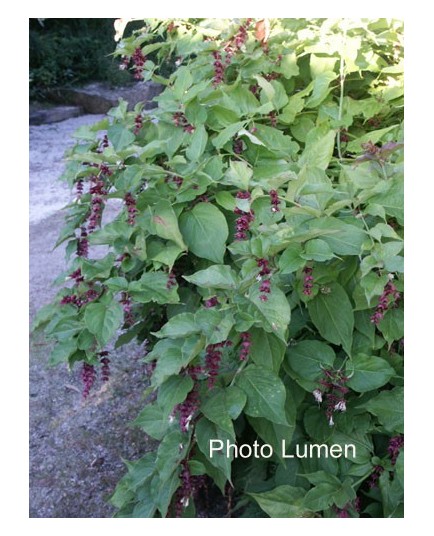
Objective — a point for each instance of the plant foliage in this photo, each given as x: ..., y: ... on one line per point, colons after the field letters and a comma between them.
x: 258, y: 248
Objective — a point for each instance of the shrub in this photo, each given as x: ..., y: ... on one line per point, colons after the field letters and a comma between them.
x: 259, y: 252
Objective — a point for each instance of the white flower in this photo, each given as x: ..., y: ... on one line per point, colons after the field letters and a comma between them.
x: 341, y: 406
x: 317, y: 395
x: 331, y: 421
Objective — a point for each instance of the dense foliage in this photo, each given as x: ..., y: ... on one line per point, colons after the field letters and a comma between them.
x: 69, y: 52
x: 258, y: 251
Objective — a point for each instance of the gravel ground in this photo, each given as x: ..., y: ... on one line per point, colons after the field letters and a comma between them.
x: 76, y: 446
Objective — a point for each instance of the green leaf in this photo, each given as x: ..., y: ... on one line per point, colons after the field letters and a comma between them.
x: 392, y: 325
x: 373, y: 136
x: 152, y: 286
x: 153, y: 421
x: 288, y: 65
x: 120, y: 137
x: 318, y: 151
x: 103, y: 320
x: 321, y: 88
x: 307, y: 358
x: 275, y: 313
x: 343, y: 238
x: 172, y: 392
x: 218, y: 276
x: 265, y: 393
x: 171, y: 356
x: 223, y: 406
x: 291, y: 260
x: 239, y: 175
x: 130, y: 179
x: 179, y: 326
x: 206, y: 431
x: 368, y: 373
x: 320, y: 497
x: 283, y: 501
x: 388, y: 407
x: 317, y: 250
x: 332, y: 313
x: 100, y: 268
x: 205, y: 231
x: 165, y: 223
x: 226, y: 134
x: 197, y: 144
x: 266, y: 350
x: 171, y: 451
x: 214, y: 324
x: 62, y: 351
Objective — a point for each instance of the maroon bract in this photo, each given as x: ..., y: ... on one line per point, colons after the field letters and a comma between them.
x: 130, y: 203
x: 395, y: 445
x: 211, y: 302
x: 171, y: 281
x: 307, y: 281
x: 105, y: 368
x: 388, y: 298
x: 274, y: 200
x: 139, y: 61
x: 245, y: 345
x: 138, y: 124
x: 88, y: 377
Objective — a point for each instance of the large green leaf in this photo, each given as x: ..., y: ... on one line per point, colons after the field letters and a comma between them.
x: 265, y: 393
x: 283, y: 501
x: 368, y: 372
x: 152, y: 286
x: 164, y: 223
x: 332, y: 313
x: 274, y: 313
x: 216, y: 276
x: 223, y: 406
x: 173, y: 391
x: 205, y: 231
x: 343, y: 238
x: 206, y: 431
x: 120, y: 137
x: 179, y: 326
x: 197, y: 143
x: 103, y: 320
x: 318, y: 151
x: 153, y: 421
x: 307, y: 358
x: 267, y: 350
x: 388, y: 407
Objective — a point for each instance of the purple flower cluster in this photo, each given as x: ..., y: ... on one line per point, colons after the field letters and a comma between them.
x: 88, y: 376
x: 219, y: 69
x: 354, y: 505
x: 180, y: 120
x: 177, y: 181
x: 333, y: 390
x: 79, y: 301
x: 375, y: 475
x: 390, y: 296
x: 83, y: 243
x: 307, y: 281
x: 130, y: 203
x: 139, y: 61
x: 245, y: 219
x: 79, y: 187
x: 272, y: 116
x: 188, y: 408
x: 213, y: 357
x: 105, y: 368
x: 395, y: 445
x: 245, y: 345
x: 127, y: 308
x: 138, y: 124
x: 274, y: 200
x: 211, y: 302
x: 97, y: 205
x: 77, y: 276
x: 171, y: 281
x: 104, y: 144
x: 265, y: 286
x: 238, y: 146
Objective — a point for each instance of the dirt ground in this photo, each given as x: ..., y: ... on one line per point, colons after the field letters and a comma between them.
x: 76, y: 446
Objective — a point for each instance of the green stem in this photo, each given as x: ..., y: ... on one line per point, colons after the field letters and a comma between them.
x: 341, y: 95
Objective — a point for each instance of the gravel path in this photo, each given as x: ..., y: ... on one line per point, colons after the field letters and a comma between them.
x: 75, y: 447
